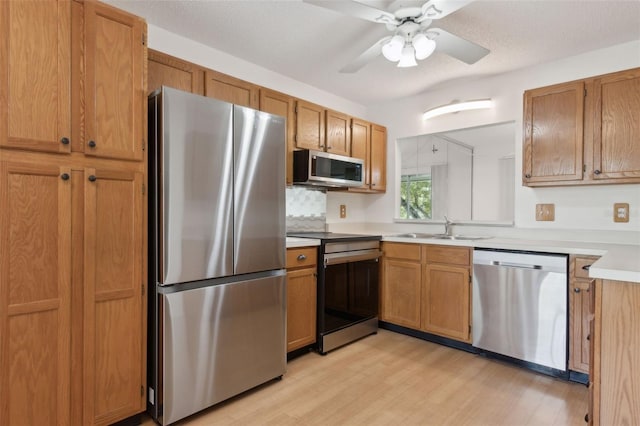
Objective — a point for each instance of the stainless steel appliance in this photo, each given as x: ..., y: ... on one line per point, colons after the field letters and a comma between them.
x: 520, y: 306
x: 216, y: 252
x: 324, y: 169
x: 348, y: 287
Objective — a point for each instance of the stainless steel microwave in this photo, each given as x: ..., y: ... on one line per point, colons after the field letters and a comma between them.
x: 324, y: 169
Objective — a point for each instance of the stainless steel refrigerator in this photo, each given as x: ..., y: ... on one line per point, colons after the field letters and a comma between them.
x: 217, y: 312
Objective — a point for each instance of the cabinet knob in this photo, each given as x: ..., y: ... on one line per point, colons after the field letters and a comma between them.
x: 528, y: 176
x: 596, y: 172
x: 576, y: 290
x: 64, y: 140
x: 586, y: 267
x: 92, y: 144
x: 586, y: 417
x: 92, y: 178
x: 64, y: 176
x: 588, y: 336
x: 302, y: 257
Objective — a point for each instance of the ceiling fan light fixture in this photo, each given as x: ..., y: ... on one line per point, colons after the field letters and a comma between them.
x: 392, y: 50
x: 408, y: 58
x: 423, y: 45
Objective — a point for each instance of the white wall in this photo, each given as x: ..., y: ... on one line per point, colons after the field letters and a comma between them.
x: 192, y: 51
x: 588, y: 207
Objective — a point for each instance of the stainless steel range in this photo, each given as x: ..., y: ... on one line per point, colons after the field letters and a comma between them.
x: 348, y: 289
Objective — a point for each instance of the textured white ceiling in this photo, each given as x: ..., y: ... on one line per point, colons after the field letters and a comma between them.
x: 310, y: 43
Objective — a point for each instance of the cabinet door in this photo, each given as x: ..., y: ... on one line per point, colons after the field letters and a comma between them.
x: 35, y: 261
x: 309, y: 126
x: 113, y: 317
x: 301, y: 308
x: 445, y: 301
x: 282, y: 105
x: 361, y: 146
x: 401, y: 293
x: 616, y: 151
x: 553, y: 133
x: 378, y: 158
x: 165, y: 70
x: 579, y: 306
x: 338, y: 135
x: 114, y: 90
x: 230, y: 89
x: 35, y: 75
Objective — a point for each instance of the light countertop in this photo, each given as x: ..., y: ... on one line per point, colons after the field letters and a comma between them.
x: 619, y: 262
x: 301, y: 242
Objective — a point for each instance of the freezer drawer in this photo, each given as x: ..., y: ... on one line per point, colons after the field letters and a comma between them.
x: 219, y: 341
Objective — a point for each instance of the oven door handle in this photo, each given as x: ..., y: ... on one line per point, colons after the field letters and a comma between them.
x: 352, y: 256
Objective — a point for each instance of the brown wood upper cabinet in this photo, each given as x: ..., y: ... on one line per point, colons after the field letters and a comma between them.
x: 369, y: 143
x: 35, y: 75
x: 283, y: 105
x: 165, y: 70
x: 231, y: 89
x: 114, y: 42
x: 338, y: 137
x: 310, y: 122
x: 583, y: 132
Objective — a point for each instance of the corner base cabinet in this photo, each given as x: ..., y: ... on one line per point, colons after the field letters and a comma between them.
x: 73, y: 221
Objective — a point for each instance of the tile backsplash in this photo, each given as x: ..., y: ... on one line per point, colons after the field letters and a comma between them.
x: 306, y: 209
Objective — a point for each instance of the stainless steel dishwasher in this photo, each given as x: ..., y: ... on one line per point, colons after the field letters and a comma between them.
x: 520, y: 306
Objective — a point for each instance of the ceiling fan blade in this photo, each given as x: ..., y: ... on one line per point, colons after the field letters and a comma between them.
x: 436, y: 9
x: 358, y: 10
x: 366, y: 57
x: 457, y: 47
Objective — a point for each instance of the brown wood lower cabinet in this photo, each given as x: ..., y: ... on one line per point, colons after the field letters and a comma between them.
x: 615, y: 371
x: 301, y: 297
x: 580, y: 293
x: 72, y: 313
x: 427, y: 287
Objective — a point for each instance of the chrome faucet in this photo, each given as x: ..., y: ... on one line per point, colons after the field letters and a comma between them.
x: 447, y: 226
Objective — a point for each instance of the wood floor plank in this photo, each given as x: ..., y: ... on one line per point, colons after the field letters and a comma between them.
x: 392, y: 379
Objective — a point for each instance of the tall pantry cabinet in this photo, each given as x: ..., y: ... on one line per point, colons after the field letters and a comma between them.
x: 72, y: 216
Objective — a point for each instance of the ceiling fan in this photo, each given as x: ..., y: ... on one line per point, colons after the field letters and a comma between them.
x: 413, y: 37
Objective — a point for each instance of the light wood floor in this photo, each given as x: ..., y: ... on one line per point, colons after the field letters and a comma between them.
x: 392, y: 379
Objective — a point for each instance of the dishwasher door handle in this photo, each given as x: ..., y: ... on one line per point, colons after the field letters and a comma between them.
x: 515, y: 265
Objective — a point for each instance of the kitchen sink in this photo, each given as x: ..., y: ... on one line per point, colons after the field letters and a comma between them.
x: 439, y: 236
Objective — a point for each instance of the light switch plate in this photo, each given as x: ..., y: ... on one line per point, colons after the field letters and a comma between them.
x: 546, y: 212
x: 621, y: 212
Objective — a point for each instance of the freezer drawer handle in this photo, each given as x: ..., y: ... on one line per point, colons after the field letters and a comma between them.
x: 515, y: 265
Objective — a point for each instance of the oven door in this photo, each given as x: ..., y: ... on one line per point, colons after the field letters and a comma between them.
x: 350, y: 290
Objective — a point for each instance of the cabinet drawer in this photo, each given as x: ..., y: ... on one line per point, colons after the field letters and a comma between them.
x: 447, y: 254
x: 301, y: 257
x: 402, y: 251
x: 580, y: 264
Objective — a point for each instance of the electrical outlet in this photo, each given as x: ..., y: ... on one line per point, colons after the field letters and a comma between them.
x: 621, y: 212
x: 546, y: 212
x: 343, y: 211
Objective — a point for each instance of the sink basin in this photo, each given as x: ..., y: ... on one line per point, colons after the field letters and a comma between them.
x: 459, y: 237
x: 418, y: 235
x: 440, y: 236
